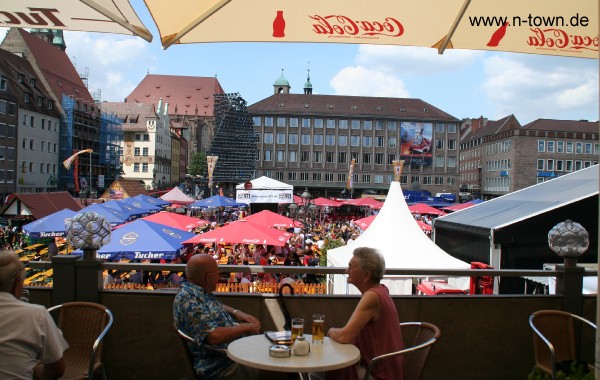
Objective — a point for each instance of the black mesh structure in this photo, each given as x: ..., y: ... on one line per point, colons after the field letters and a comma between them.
x: 234, y: 142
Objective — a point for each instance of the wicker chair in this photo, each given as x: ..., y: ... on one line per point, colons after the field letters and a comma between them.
x: 554, y: 338
x: 416, y: 354
x: 187, y: 340
x: 84, y: 325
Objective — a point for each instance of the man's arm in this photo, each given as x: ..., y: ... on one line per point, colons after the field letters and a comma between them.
x: 367, y: 309
x: 249, y: 325
x: 49, y: 371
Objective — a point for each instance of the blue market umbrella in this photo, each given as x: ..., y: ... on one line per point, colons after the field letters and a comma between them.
x: 215, y: 201
x: 130, y: 211
x: 141, y: 205
x: 52, y: 225
x: 154, y: 201
x: 112, y: 216
x: 141, y: 240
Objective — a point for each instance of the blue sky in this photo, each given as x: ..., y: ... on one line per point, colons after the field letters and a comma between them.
x: 460, y: 82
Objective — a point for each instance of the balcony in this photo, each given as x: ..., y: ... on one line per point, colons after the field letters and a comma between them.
x: 483, y: 336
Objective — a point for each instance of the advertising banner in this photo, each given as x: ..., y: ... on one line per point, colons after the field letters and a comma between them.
x: 264, y: 196
x: 416, y: 144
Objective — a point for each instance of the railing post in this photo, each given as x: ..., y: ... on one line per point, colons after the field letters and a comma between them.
x: 88, y: 277
x: 63, y: 288
x: 570, y: 286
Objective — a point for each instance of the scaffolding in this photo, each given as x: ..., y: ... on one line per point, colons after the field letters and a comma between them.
x: 66, y: 141
x: 234, y: 142
x: 111, y: 135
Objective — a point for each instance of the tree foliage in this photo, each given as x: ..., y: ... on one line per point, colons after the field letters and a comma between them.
x: 198, y: 164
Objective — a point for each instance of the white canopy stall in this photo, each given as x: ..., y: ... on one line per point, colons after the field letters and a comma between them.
x: 395, y: 234
x: 264, y: 190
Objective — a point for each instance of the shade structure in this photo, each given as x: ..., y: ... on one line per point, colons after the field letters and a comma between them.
x: 269, y: 218
x: 52, y: 225
x: 215, y: 201
x: 326, y: 202
x: 182, y: 222
x: 141, y: 205
x: 362, y: 202
x: 457, y: 207
x: 108, y: 16
x: 144, y: 240
x: 154, y: 201
x: 130, y: 211
x: 175, y: 195
x: 422, y: 208
x: 511, y: 25
x: 364, y: 223
x: 112, y: 216
x: 242, y: 232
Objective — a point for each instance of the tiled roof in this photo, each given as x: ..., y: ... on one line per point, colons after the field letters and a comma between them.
x: 582, y: 126
x: 134, y: 115
x: 185, y: 94
x: 351, y: 106
x: 492, y: 127
x: 57, y: 68
x: 43, y: 204
x: 128, y: 187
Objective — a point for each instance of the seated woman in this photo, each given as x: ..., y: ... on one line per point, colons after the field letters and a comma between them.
x: 374, y: 326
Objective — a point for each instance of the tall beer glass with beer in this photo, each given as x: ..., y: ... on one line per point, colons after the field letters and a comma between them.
x: 318, y: 328
x: 297, y: 328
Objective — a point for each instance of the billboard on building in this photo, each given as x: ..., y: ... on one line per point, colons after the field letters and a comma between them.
x: 416, y: 144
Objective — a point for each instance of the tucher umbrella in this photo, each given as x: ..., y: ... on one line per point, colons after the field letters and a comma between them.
x: 242, y: 232
x: 52, y: 225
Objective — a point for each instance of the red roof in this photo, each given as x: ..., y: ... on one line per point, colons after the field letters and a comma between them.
x: 185, y: 94
x: 42, y: 204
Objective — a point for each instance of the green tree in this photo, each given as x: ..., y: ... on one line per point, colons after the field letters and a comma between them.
x: 198, y: 164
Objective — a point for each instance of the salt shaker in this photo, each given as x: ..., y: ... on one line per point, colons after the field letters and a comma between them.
x: 301, y: 347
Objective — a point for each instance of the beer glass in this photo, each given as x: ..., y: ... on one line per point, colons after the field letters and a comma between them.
x: 297, y: 328
x: 318, y: 328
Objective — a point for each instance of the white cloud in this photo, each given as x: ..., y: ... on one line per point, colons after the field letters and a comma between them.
x: 113, y: 61
x: 541, y: 87
x: 360, y: 81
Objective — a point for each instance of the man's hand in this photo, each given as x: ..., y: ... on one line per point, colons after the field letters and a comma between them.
x: 252, y: 328
x: 243, y: 317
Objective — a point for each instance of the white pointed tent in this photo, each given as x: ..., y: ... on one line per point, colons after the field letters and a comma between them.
x: 177, y: 196
x: 396, y: 235
x: 265, y: 190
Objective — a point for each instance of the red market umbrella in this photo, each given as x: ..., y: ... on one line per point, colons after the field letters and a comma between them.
x: 170, y: 219
x: 364, y: 223
x: 422, y: 208
x: 326, y: 202
x: 272, y: 219
x: 458, y: 206
x: 242, y: 232
x: 359, y: 202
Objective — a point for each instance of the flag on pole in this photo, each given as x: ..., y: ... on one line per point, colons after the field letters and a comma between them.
x: 398, y: 165
x: 67, y: 163
x: 212, y: 162
x: 350, y: 181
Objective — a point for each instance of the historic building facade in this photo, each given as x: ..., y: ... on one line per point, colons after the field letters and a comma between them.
x: 311, y: 141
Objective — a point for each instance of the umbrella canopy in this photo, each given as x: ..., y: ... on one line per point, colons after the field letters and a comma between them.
x: 458, y: 206
x: 326, y: 202
x: 422, y: 208
x: 141, y: 205
x: 215, y: 201
x: 175, y: 195
x: 110, y: 16
x: 463, y: 24
x: 112, y: 216
x: 272, y: 219
x: 143, y: 240
x: 153, y: 201
x: 242, y: 232
x: 363, y: 202
x: 130, y: 211
x: 52, y: 225
x: 182, y: 222
x: 364, y: 223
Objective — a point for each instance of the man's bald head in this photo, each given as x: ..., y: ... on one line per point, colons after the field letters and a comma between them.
x: 198, y: 266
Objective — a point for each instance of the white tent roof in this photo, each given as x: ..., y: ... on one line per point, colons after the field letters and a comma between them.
x: 400, y: 240
x: 266, y: 183
x: 177, y: 196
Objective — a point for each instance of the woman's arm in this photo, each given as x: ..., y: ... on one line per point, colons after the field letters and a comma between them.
x: 367, y: 309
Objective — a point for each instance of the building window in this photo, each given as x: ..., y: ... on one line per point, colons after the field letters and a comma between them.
x: 439, y: 161
x: 293, y: 122
x: 367, y: 141
x: 342, y: 157
x: 569, y: 147
x: 144, y: 168
x: 379, y: 125
x: 136, y: 168
x: 367, y: 125
x: 541, y: 146
x: 379, y: 141
x: 579, y: 148
x: 303, y: 176
x: 20, y: 78
x: 439, y: 144
x: 550, y: 146
x: 318, y: 140
x: 391, y: 158
x: 40, y: 101
x: 305, y: 139
x: 439, y: 128
x: 392, y: 141
x: 318, y: 123
x: 136, y: 151
x: 343, y: 140
x: 588, y: 148
x: 256, y: 121
x: 268, y: 121
x: 366, y: 158
x: 305, y: 122
x: 3, y: 83
x: 550, y: 165
x: 146, y: 137
x: 540, y: 164
x: 427, y: 180
x: 451, y: 128
x: 341, y: 177
x: 578, y: 165
x: 328, y: 177
x: 559, y: 165
x: 267, y: 155
x: 392, y: 126
x: 452, y: 144
x: 451, y: 162
x: 305, y: 156
x: 331, y: 124
x: 316, y: 176
x: 291, y: 176
x: 354, y: 140
x: 378, y: 178
x: 354, y: 156
x: 330, y: 140
x: 378, y: 158
x: 439, y: 180
x: 293, y: 138
x: 560, y: 147
x: 366, y: 178
x: 26, y: 98
x: 257, y: 138
x: 258, y: 155
x: 138, y: 137
x: 31, y: 144
x: 318, y: 156
x: 281, y: 138
x: 355, y: 124
x: 293, y: 156
x: 330, y: 157
x: 145, y: 151
x: 281, y: 122
x: 279, y: 176
x: 450, y: 181
x: 268, y: 137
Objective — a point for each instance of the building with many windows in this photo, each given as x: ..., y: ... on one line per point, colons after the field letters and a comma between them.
x: 499, y: 157
x: 310, y: 140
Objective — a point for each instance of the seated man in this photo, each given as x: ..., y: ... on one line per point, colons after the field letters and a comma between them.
x: 197, y: 312
x: 374, y: 315
x: 31, y: 346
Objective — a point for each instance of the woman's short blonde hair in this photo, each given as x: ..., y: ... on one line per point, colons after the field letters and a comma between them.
x: 371, y: 261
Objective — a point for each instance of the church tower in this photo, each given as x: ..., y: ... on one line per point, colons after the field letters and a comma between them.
x: 281, y: 85
x: 51, y: 36
x: 308, y: 85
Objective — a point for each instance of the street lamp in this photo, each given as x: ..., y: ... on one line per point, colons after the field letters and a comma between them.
x: 305, y: 212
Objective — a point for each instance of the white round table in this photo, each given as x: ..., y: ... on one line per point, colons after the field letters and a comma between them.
x: 253, y: 351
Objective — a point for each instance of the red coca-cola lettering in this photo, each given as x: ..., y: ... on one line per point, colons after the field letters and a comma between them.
x: 560, y: 39
x: 344, y: 25
x: 36, y: 17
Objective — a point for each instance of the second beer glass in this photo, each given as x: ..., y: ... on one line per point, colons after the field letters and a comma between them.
x: 297, y: 328
x: 318, y: 328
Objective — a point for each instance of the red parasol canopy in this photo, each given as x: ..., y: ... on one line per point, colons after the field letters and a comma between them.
x: 242, y: 232
x: 422, y: 208
x: 366, y: 202
x: 171, y: 219
x: 364, y: 223
x: 458, y: 206
x: 272, y: 219
x: 326, y: 202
